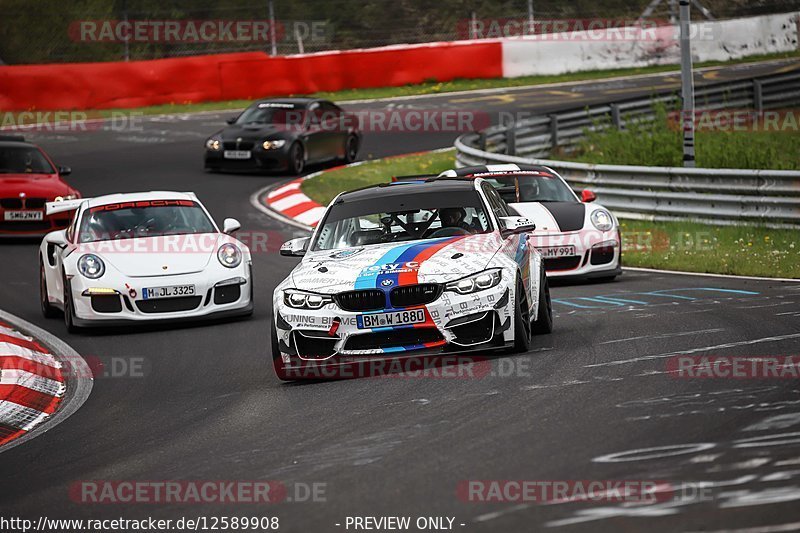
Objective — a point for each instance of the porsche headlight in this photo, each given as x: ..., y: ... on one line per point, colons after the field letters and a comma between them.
x: 476, y: 282
x: 273, y: 145
x: 602, y: 220
x: 305, y: 300
x: 214, y: 143
x: 91, y: 266
x: 229, y: 255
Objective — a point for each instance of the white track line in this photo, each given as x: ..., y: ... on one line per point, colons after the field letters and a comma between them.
x: 705, y: 275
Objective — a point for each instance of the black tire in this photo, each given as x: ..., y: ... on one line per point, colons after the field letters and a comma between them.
x: 544, y: 322
x: 522, y: 320
x: 69, y: 316
x: 48, y: 311
x: 297, y: 162
x: 277, y: 362
x: 350, y: 149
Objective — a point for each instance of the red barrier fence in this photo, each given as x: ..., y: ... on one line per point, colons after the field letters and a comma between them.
x: 239, y: 76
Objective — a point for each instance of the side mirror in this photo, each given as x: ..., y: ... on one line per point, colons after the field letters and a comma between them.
x: 588, y: 196
x: 512, y: 225
x: 230, y: 225
x: 57, y: 238
x: 64, y: 171
x: 295, y: 247
x: 230, y: 120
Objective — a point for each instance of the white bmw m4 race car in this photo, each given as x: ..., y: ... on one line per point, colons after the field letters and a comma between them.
x: 128, y: 258
x: 577, y: 237
x: 407, y: 270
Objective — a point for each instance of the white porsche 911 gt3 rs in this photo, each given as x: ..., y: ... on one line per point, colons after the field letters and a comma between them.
x: 576, y: 237
x: 142, y: 257
x: 405, y: 270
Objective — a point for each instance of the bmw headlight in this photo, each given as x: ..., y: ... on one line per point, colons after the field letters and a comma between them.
x: 476, y: 282
x: 229, y: 255
x: 602, y: 220
x: 214, y: 143
x: 91, y: 266
x: 65, y: 197
x: 305, y: 300
x: 274, y: 145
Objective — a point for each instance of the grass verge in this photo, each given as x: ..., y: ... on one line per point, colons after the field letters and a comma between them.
x: 683, y: 246
x: 660, y: 143
x: 694, y: 247
x: 458, y: 85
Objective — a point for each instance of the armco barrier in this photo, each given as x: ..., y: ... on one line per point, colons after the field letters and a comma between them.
x: 239, y: 76
x: 769, y: 197
x: 537, y: 136
x: 724, y: 196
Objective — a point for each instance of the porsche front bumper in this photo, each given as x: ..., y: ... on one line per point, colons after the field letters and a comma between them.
x: 115, y: 299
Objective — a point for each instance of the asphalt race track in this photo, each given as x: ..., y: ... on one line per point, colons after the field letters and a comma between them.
x: 210, y: 408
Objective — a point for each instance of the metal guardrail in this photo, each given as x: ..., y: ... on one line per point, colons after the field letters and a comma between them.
x: 724, y: 196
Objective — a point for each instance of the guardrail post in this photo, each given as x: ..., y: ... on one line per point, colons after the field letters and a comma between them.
x: 554, y: 130
x: 616, y: 119
x: 481, y: 141
x: 511, y: 139
x: 758, y: 96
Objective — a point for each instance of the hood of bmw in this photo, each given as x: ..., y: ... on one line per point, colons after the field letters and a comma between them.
x: 389, y: 265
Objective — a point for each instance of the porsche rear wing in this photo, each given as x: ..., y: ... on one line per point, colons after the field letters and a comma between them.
x: 51, y: 208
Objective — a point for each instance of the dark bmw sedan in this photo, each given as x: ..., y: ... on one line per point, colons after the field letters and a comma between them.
x: 284, y: 135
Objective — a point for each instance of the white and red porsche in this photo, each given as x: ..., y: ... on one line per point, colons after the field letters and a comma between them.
x: 577, y: 237
x: 128, y: 258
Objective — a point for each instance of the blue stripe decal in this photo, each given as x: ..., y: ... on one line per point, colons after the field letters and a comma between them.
x: 371, y: 279
x: 409, y: 254
x: 368, y: 279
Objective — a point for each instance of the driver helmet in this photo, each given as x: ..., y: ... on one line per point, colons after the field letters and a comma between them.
x: 452, y: 216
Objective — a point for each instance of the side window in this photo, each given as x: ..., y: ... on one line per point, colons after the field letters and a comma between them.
x: 330, y: 114
x: 315, y: 114
x: 497, y: 204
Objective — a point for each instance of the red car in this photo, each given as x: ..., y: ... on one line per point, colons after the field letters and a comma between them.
x: 28, y: 179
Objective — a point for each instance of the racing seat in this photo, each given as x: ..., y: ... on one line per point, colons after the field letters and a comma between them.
x: 366, y: 237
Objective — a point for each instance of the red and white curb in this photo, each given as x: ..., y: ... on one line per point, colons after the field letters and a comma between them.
x: 33, y: 379
x: 290, y: 202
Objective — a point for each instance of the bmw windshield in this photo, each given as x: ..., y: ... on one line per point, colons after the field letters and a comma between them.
x: 401, y: 218
x: 275, y: 114
x: 155, y: 218
x: 23, y: 160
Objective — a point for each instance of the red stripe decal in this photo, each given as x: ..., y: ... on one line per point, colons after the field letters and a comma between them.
x: 411, y: 277
x: 435, y: 344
